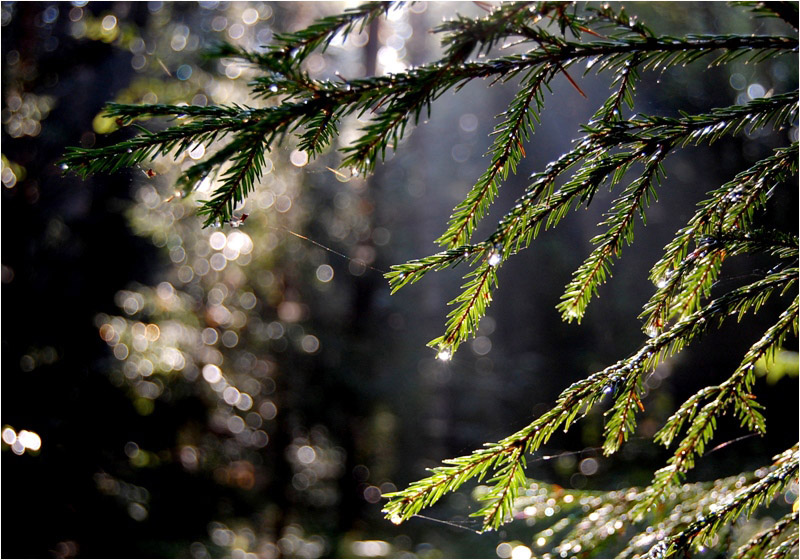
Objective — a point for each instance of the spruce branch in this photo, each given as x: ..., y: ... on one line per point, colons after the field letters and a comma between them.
x: 574, y: 402
x: 506, y: 152
x: 683, y: 276
x: 238, y: 181
x: 785, y: 548
x: 735, y: 390
x: 787, y: 11
x: 592, y: 273
x: 288, y: 50
x: 744, y: 502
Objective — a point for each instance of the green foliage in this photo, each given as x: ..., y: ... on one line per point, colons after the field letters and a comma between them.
x: 614, y: 151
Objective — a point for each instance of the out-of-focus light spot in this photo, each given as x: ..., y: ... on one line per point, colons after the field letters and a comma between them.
x: 460, y: 153
x: 9, y: 178
x: 372, y: 494
x: 358, y: 40
x: 268, y: 410
x: 138, y: 62
x: 218, y: 262
x: 239, y: 242
x: 209, y: 336
x: 219, y: 23
x: 76, y: 13
x: 217, y: 240
x: 109, y: 22
x: 263, y: 36
x: 211, y: 373
x: 541, y: 541
x: 381, y: 236
x: 132, y: 449
x: 152, y: 332
x: 371, y: 549
x: 310, y: 343
x: 298, y: 158
x: 357, y: 267
x: 755, y: 91
x: 137, y: 511
x: 50, y: 15
x: 503, y: 550
x: 482, y: 345
x: 324, y: 273
x: 245, y: 402
x: 236, y: 31
x: 178, y: 42
x: 250, y: 16
x: 189, y: 457
x: 306, y: 454
x: 184, y: 72
x: 7, y: 274
x: 589, y: 466
x: 121, y: 351
x: 290, y: 311
x: 259, y: 439
x: 521, y: 552
x: 9, y: 435
x: 737, y: 81
x: 230, y: 339
x: 107, y: 332
x: 235, y: 424
x: 233, y: 71
x: 248, y: 300
x: 283, y: 203
x: 230, y: 395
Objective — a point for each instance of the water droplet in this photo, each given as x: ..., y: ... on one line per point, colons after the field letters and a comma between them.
x: 651, y: 331
x: 444, y: 355
x: 396, y: 519
x: 64, y: 166
x: 130, y: 150
x: 494, y: 258
x: 273, y: 88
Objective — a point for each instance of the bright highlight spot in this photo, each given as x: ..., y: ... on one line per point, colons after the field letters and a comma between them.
x: 521, y: 552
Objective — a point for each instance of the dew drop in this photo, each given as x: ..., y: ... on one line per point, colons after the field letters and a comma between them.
x: 273, y: 88
x: 494, y: 258
x: 396, y: 519
x: 444, y: 355
x: 64, y: 166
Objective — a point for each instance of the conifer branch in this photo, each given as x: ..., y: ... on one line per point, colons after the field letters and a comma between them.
x: 575, y: 402
x: 784, y: 549
x: 238, y: 180
x: 507, y: 151
x: 288, y: 50
x: 736, y: 390
x: 744, y: 502
x: 612, y: 149
x: 592, y: 273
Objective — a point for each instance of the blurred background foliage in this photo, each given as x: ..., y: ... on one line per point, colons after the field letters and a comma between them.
x: 170, y: 391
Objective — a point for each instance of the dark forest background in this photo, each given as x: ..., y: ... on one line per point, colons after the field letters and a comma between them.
x: 116, y: 308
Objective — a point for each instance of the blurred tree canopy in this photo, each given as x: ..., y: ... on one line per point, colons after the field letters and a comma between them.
x: 250, y: 389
